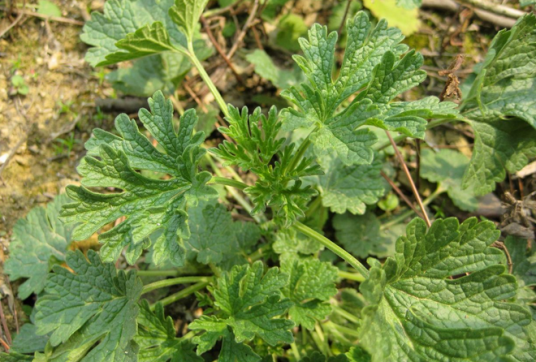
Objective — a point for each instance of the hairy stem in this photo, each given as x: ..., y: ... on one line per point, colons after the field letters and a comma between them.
x: 227, y: 182
x: 206, y: 78
x: 157, y: 273
x: 351, y: 276
x: 182, y: 294
x: 169, y: 282
x: 333, y: 247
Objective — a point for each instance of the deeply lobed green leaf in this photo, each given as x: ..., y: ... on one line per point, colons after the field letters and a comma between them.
x: 150, y: 205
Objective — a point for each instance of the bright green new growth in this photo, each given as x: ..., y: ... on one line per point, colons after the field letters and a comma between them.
x: 247, y: 300
x: 423, y: 306
x: 502, y: 109
x: 151, y: 206
x: 93, y: 307
x: 39, y: 242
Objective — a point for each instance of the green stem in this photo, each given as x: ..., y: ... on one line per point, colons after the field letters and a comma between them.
x: 351, y: 276
x: 313, y: 206
x: 157, y: 273
x: 333, y: 247
x: 182, y: 294
x: 206, y: 78
x: 346, y: 315
x: 295, y: 351
x: 227, y: 182
x: 344, y: 330
x: 169, y: 282
x: 301, y: 150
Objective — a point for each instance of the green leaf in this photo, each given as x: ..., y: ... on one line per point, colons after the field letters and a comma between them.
x: 500, y: 146
x: 39, y: 241
x: 358, y: 354
x: 289, y: 28
x: 501, y: 109
x: 90, y: 311
x: 48, y: 8
x: 28, y: 341
x: 527, y: 2
x: 186, y: 14
x: 311, y: 285
x: 15, y: 357
x: 107, y: 32
x: 280, y: 181
x: 156, y: 338
x: 265, y: 67
x: 378, y: 68
x: 444, y: 297
x: 212, y: 233
x: 247, y: 300
x: 289, y: 241
x: 151, y: 205
x: 350, y: 188
x: 398, y: 13
x: 361, y: 235
x: 148, y: 40
x: 524, y: 268
x: 447, y: 167
x: 161, y: 72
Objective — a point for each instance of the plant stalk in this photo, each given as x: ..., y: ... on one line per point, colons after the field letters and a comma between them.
x: 333, y: 247
x: 182, y: 294
x: 206, y: 78
x: 169, y: 282
x: 157, y: 273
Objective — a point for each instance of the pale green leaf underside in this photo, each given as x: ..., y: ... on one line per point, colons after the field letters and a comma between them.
x: 361, y: 235
x: 93, y: 308
x: 417, y: 313
x: 447, y: 167
x: 39, y: 241
x: 350, y: 188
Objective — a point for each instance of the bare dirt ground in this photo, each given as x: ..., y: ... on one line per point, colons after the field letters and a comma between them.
x: 42, y: 132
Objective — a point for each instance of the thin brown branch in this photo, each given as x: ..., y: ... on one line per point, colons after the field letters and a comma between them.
x: 4, y: 324
x: 494, y: 8
x: 242, y: 34
x: 343, y: 21
x: 410, y: 179
x: 4, y: 344
x: 220, y: 51
x: 400, y: 193
x: 58, y: 19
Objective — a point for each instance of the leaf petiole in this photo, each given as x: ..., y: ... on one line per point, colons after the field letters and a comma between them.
x: 333, y: 247
x: 182, y: 294
x: 169, y: 282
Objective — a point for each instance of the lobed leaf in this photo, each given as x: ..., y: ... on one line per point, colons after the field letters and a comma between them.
x: 90, y: 311
x: 501, y: 109
x: 377, y: 68
x: 149, y: 205
x: 40, y: 240
x: 247, y: 300
x: 444, y: 296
